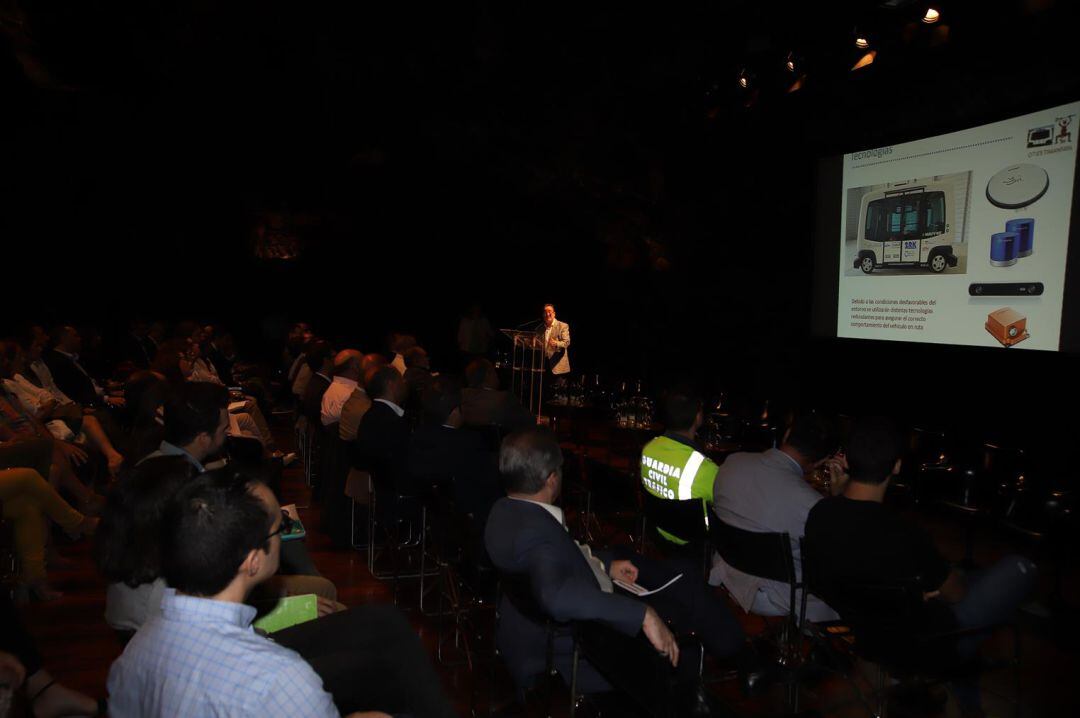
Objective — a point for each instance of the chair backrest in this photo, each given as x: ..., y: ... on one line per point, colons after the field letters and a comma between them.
x: 685, y: 519
x: 766, y: 555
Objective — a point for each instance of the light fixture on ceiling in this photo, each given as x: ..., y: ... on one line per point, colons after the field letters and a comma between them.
x: 931, y: 16
x: 744, y: 80
x: 790, y: 62
x: 861, y: 42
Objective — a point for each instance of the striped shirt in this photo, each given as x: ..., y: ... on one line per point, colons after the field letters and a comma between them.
x: 201, y: 657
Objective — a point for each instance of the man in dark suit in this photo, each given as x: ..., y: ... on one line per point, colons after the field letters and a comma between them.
x: 443, y: 453
x: 62, y: 359
x: 526, y: 537
x: 382, y: 441
x: 320, y: 359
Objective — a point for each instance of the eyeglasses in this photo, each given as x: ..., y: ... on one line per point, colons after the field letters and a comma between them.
x: 284, y: 527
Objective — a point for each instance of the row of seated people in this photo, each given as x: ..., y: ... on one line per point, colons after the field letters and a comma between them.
x: 420, y: 428
x: 186, y: 551
x: 76, y: 429
x: 855, y: 539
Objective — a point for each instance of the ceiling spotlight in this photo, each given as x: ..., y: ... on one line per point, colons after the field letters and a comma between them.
x: 861, y: 42
x: 931, y: 16
x: 790, y: 64
x: 744, y: 81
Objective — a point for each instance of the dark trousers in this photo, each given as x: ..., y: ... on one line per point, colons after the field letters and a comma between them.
x: 688, y: 604
x: 370, y: 658
x: 993, y: 595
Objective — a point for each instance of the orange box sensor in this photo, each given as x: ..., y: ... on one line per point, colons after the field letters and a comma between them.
x: 1007, y: 325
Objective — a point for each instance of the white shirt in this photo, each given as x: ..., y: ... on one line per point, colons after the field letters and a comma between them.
x: 203, y: 370
x: 41, y: 369
x: 33, y: 398
x: 339, y: 391
x: 397, y: 409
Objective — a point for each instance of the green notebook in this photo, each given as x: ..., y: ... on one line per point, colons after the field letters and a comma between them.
x: 288, y: 612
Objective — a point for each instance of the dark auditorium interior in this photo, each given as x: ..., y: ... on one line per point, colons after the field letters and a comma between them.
x: 328, y: 257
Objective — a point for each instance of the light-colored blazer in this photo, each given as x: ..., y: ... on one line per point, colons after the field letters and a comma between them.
x: 558, y: 359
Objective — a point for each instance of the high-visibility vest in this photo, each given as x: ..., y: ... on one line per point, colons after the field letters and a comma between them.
x: 676, y: 471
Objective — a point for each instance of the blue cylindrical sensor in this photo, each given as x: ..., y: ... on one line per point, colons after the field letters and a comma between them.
x: 1003, y: 249
x: 1025, y: 232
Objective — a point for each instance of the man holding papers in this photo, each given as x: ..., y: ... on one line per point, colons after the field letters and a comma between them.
x: 526, y: 536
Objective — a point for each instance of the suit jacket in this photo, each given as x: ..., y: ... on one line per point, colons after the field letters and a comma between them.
x: 490, y: 407
x: 558, y: 361
x: 382, y: 445
x: 311, y: 402
x: 222, y: 364
x: 72, y: 380
x: 441, y: 455
x: 523, y: 539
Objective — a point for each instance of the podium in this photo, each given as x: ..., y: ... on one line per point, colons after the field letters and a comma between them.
x: 527, y: 368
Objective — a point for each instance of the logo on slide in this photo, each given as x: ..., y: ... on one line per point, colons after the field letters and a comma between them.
x: 1054, y: 134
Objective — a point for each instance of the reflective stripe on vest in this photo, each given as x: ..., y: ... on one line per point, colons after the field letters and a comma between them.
x: 686, y: 481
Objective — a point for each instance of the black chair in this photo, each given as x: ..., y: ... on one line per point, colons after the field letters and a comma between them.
x: 334, y: 465
x: 516, y: 589
x: 686, y: 519
x: 927, y: 460
x: 768, y: 555
x: 976, y: 492
x: 887, y: 622
x: 612, y: 495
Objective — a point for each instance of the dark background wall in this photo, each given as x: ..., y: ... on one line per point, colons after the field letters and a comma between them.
x: 600, y: 157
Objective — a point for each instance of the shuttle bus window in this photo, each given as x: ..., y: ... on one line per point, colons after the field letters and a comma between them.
x: 876, y: 212
x: 934, y: 212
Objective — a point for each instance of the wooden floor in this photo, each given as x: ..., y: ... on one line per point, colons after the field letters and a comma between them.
x: 78, y: 646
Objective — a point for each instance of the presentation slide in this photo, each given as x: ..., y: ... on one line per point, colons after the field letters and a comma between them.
x: 960, y: 238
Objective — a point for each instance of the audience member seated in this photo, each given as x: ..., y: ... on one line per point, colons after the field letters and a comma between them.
x: 767, y: 492
x: 853, y: 540
x: 62, y: 359
x: 442, y: 453
x: 293, y: 355
x: 484, y: 404
x: 25, y: 442
x: 673, y: 466
x: 177, y: 361
x: 128, y: 546
x: 26, y: 500
x: 146, y: 393
x: 526, y: 536
x: 358, y: 403
x: 65, y: 421
x: 348, y: 365
x: 21, y: 667
x: 400, y: 343
x: 201, y: 656
x: 417, y: 373
x: 320, y: 360
x: 382, y: 441
x: 196, y: 423
x: 136, y: 347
